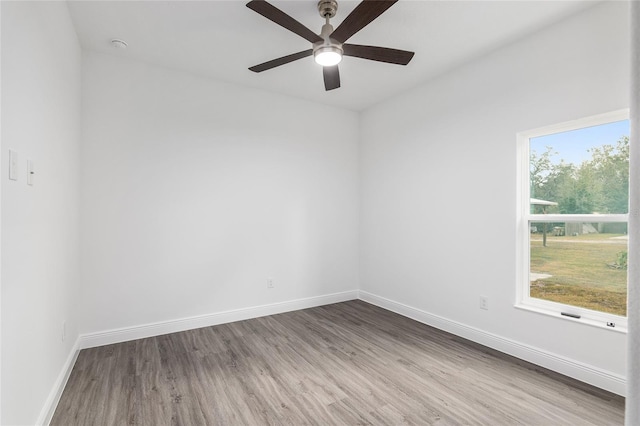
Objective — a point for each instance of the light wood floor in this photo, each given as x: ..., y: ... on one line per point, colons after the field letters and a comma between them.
x: 343, y: 364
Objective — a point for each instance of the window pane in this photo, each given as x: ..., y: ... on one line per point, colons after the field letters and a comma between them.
x: 582, y: 171
x: 580, y: 264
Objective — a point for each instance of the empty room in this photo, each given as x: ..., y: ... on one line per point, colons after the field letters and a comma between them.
x: 319, y: 212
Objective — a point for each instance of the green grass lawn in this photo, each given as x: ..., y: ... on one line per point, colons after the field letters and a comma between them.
x: 581, y: 275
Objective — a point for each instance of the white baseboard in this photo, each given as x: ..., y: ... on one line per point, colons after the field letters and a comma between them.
x: 586, y: 373
x: 49, y: 408
x: 172, y: 326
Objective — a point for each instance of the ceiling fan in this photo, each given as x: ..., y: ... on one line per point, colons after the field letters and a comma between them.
x: 329, y: 46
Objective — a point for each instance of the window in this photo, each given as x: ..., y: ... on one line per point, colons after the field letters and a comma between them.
x: 573, y: 213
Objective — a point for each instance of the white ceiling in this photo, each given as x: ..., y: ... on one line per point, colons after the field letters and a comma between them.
x: 221, y: 39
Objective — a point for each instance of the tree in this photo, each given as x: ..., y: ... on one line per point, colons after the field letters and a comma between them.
x: 600, y: 184
x: 610, y: 166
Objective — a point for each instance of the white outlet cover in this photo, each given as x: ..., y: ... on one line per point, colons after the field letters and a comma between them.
x: 484, y: 302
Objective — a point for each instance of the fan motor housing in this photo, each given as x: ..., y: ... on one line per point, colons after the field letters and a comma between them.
x: 327, y: 8
x: 327, y: 44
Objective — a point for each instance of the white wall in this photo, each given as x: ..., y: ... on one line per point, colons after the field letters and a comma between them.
x: 41, y: 71
x: 438, y: 178
x: 195, y: 191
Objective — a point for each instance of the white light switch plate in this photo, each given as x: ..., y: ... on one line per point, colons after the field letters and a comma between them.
x: 13, y: 165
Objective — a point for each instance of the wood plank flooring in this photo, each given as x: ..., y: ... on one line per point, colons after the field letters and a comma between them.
x: 344, y: 364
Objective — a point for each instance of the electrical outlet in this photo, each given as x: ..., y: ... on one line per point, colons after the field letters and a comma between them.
x: 271, y: 283
x: 484, y: 303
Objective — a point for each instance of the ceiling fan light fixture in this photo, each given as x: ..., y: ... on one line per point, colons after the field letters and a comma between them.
x: 329, y: 46
x: 328, y: 56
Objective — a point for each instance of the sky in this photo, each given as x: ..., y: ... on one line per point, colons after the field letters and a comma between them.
x: 572, y: 146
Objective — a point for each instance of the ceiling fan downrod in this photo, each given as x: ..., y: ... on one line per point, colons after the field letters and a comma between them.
x: 327, y: 52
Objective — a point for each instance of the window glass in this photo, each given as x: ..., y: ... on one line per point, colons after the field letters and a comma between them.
x: 576, y: 216
x: 583, y: 171
x: 581, y: 264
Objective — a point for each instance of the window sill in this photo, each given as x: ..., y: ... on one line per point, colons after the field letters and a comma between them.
x: 587, y: 321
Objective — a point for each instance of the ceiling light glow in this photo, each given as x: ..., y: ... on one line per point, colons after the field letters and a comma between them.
x: 328, y: 56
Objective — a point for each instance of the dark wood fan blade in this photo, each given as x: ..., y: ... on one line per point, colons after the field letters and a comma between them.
x: 331, y: 77
x: 375, y: 53
x: 281, y: 61
x: 361, y: 16
x: 279, y: 17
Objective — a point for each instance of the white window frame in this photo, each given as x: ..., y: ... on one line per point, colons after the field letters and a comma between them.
x: 524, y: 217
